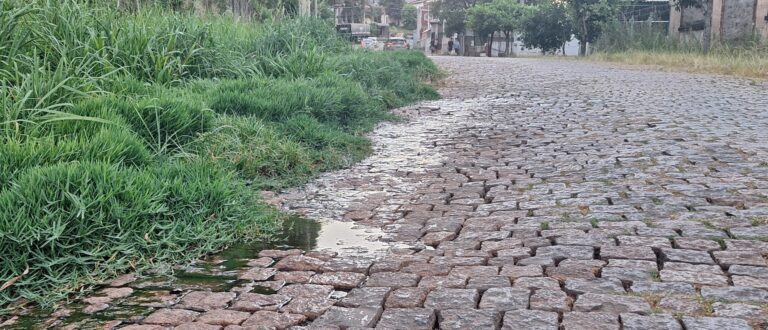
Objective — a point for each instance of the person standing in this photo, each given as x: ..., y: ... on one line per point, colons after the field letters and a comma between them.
x: 457, y: 47
x: 450, y: 46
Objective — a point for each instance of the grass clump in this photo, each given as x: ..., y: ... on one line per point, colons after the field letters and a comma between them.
x: 94, y: 215
x: 129, y: 140
x: 256, y: 150
x: 648, y: 46
x: 329, y: 99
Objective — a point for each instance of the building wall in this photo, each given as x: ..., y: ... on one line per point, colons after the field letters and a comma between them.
x: 731, y: 20
x: 738, y: 19
x: 761, y: 25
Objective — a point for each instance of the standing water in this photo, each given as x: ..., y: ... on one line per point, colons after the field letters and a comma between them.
x: 217, y: 273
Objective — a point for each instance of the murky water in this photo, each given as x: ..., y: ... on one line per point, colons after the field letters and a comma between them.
x: 218, y: 272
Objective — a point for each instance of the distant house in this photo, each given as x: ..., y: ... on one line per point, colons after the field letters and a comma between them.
x: 428, y: 28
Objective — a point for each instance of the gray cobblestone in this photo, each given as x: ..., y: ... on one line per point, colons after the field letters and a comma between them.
x: 452, y: 299
x: 540, y: 172
x: 616, y: 304
x: 530, y: 319
x: 590, y: 321
x: 715, y: 323
x: 640, y: 322
x: 505, y: 299
x: 469, y: 319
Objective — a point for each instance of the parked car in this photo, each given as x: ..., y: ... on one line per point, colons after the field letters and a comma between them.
x: 397, y: 43
x: 370, y: 43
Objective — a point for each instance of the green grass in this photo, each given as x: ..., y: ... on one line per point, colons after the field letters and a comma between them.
x: 647, y: 46
x: 129, y: 141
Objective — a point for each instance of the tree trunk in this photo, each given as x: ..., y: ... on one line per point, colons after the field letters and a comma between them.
x: 506, y: 46
x: 583, y: 40
x: 707, y: 42
x: 512, y: 46
x: 490, y: 46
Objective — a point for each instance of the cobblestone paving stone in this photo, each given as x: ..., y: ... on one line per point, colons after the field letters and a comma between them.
x: 545, y: 194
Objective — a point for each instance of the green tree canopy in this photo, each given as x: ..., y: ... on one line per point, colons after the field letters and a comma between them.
x: 511, y: 15
x: 483, y: 19
x: 409, y: 17
x: 393, y: 8
x: 547, y: 27
x: 454, y: 13
x: 504, y: 16
x: 589, y: 17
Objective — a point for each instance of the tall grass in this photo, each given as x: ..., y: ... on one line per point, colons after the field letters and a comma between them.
x: 644, y: 44
x: 126, y: 140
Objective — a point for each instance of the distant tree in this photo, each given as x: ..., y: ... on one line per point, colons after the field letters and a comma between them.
x: 589, y: 17
x: 393, y: 9
x: 454, y: 13
x: 484, y: 20
x: 409, y: 17
x: 510, y: 18
x: 547, y: 27
x: 503, y: 16
x: 351, y: 10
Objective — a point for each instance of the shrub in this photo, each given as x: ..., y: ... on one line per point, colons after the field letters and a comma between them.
x: 330, y: 99
x: 85, y: 221
x: 113, y: 146
x: 168, y: 122
x: 256, y: 150
x: 325, y: 139
x: 88, y: 117
x: 390, y: 74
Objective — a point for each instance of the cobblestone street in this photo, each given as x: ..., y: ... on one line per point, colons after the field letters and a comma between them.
x: 537, y: 194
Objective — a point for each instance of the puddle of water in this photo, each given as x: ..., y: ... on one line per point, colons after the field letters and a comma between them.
x: 343, y: 238
x: 219, y: 272
x: 296, y: 233
x: 349, y: 238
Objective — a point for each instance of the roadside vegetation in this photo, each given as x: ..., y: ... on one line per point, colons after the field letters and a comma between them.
x: 133, y: 140
x: 548, y: 25
x: 543, y: 24
x: 641, y: 44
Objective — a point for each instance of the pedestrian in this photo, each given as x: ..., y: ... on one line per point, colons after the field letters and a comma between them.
x: 450, y: 46
x: 457, y: 47
x: 432, y: 46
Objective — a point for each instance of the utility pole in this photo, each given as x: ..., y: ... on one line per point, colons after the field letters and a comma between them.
x: 363, y: 10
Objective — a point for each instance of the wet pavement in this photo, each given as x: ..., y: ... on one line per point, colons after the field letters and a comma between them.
x: 538, y: 194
